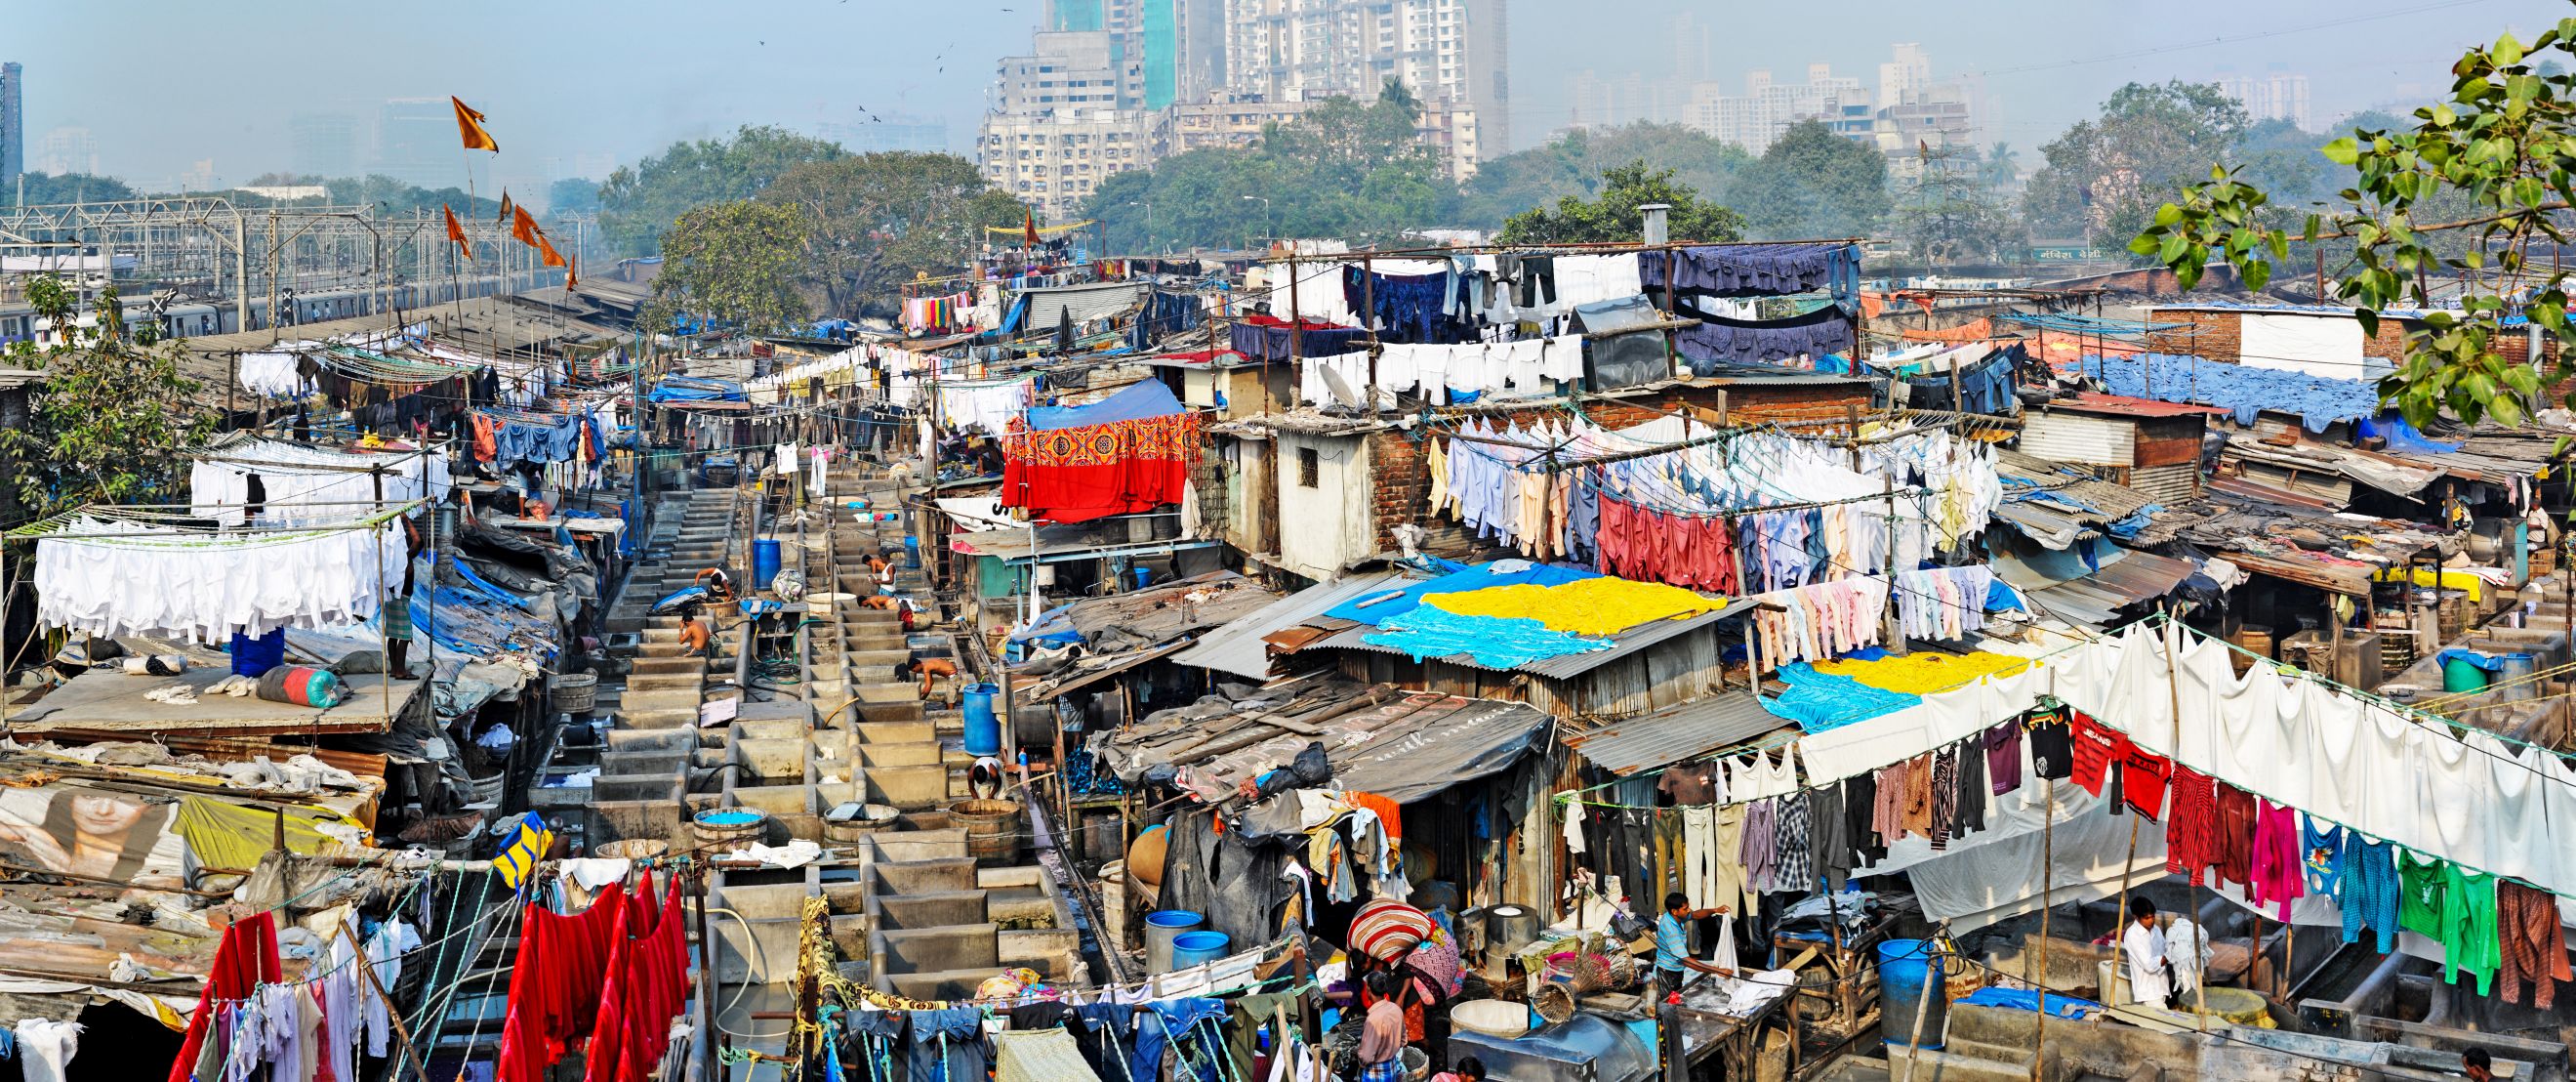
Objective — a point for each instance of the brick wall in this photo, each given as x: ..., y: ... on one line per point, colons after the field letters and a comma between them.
x: 2219, y: 336
x: 1400, y: 488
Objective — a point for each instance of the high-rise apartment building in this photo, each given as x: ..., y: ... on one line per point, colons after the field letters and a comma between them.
x: 1053, y: 161
x: 1068, y: 70
x: 2272, y: 95
x: 322, y: 144
x: 416, y: 143
x: 13, y: 124
x: 66, y: 150
x: 1754, y: 119
x: 1445, y: 51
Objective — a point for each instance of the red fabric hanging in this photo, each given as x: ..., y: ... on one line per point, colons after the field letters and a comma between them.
x: 555, y: 983
x: 1095, y: 471
x: 645, y: 976
x: 246, y: 959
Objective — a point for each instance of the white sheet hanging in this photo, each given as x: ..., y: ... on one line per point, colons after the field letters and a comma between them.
x: 154, y: 580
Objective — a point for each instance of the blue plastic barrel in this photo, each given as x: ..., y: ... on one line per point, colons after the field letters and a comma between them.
x: 1909, y: 980
x: 1162, y: 928
x: 764, y: 562
x: 983, y: 733
x: 1144, y: 577
x: 911, y: 553
x: 1192, y: 948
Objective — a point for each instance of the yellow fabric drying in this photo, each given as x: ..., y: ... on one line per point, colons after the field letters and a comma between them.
x: 1925, y: 672
x: 2451, y: 578
x: 1593, y: 607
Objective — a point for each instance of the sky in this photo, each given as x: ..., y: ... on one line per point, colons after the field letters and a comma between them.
x: 575, y: 87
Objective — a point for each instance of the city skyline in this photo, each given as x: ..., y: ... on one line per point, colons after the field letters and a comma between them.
x: 579, y: 113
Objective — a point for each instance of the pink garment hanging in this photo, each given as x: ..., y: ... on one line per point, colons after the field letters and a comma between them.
x: 2279, y: 875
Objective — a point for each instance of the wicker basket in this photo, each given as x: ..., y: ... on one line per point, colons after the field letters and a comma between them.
x: 1554, y: 1002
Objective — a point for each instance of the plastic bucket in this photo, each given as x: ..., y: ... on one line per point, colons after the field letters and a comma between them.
x: 764, y: 562
x: 1162, y: 927
x: 1909, y: 981
x: 992, y: 829
x: 1144, y: 577
x: 2461, y: 674
x: 2515, y: 674
x: 983, y: 733
x: 912, y: 553
x: 1192, y: 948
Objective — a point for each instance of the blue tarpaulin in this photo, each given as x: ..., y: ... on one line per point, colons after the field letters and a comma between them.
x: 2402, y: 437
x: 1134, y: 402
x: 2320, y: 401
x: 694, y: 389
x: 1464, y: 578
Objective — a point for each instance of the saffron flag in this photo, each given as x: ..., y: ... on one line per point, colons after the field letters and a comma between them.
x: 572, y: 273
x: 527, y: 844
x: 524, y: 228
x: 553, y: 258
x: 506, y: 207
x: 469, y: 127
x: 456, y: 231
x: 1029, y: 228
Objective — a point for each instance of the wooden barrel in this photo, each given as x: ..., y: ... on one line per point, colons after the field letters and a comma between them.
x: 728, y: 828
x: 993, y: 831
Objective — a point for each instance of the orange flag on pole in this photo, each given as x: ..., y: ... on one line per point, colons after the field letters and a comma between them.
x: 1029, y: 227
x: 572, y: 274
x: 524, y: 228
x: 506, y: 208
x: 469, y: 126
x: 553, y: 258
x: 456, y: 231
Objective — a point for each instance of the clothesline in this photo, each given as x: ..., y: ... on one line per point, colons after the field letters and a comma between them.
x: 163, y: 515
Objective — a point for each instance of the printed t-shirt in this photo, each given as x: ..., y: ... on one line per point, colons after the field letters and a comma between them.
x: 2142, y: 781
x: 2095, y: 748
x: 2419, y: 893
x: 2052, y: 754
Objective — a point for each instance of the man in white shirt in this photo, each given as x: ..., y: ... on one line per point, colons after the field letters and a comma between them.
x: 2187, y: 958
x: 2144, y: 948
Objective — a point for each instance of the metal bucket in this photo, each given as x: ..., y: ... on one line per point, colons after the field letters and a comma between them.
x: 992, y: 829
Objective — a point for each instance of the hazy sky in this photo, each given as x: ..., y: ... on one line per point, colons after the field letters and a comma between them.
x: 574, y: 86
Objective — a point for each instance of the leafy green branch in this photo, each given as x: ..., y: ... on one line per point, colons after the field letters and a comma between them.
x: 2501, y: 148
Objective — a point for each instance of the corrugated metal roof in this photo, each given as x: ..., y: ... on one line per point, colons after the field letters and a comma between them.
x: 1675, y: 733
x: 1563, y: 666
x: 2079, y: 437
x: 2093, y: 596
x: 1237, y: 647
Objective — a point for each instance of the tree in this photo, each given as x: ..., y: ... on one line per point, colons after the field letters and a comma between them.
x: 1950, y: 214
x: 45, y: 189
x: 1573, y: 165
x: 876, y: 220
x: 113, y: 420
x: 1343, y: 168
x: 734, y: 263
x: 572, y: 195
x: 2105, y: 175
x: 1614, y: 215
x: 639, y: 202
x: 2470, y: 193
x: 1812, y: 183
x: 2001, y: 170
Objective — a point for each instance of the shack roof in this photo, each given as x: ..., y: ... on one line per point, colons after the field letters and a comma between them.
x: 109, y: 702
x: 1677, y: 733
x: 1402, y: 745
